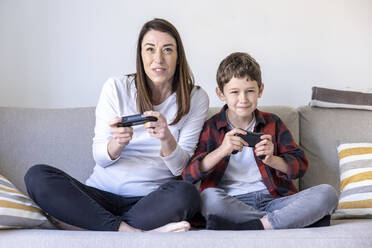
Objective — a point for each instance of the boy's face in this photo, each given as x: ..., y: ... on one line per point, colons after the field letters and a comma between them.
x: 241, y: 96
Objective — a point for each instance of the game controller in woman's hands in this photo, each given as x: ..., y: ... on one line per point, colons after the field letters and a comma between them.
x: 132, y: 120
x: 252, y: 139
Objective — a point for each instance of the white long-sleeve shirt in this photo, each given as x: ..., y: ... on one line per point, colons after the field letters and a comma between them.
x: 140, y: 169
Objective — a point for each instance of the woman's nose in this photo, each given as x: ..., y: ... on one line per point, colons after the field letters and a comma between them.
x: 158, y: 57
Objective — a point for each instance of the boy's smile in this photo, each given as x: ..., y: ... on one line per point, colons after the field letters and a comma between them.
x: 241, y: 96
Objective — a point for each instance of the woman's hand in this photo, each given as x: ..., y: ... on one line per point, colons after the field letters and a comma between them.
x: 121, y: 136
x: 159, y: 129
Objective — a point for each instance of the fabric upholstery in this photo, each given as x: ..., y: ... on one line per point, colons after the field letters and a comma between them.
x: 341, y: 234
x: 58, y: 137
x: 63, y: 137
x: 321, y: 130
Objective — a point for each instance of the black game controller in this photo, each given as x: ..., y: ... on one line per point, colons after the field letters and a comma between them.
x: 252, y: 139
x: 132, y: 120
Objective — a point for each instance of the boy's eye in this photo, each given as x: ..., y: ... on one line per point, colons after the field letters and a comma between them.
x: 233, y: 92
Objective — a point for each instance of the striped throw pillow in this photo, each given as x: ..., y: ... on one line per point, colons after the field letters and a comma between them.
x: 355, y: 181
x: 18, y: 210
x: 331, y: 98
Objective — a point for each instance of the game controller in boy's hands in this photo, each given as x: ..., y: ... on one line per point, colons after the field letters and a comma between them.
x: 252, y: 139
x: 132, y: 120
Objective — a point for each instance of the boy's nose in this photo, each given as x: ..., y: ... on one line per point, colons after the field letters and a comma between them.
x: 243, y: 98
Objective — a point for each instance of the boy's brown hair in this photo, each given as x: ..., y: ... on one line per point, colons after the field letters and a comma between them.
x: 238, y: 65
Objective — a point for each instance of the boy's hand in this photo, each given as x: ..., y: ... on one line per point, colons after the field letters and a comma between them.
x: 265, y: 147
x: 231, y: 142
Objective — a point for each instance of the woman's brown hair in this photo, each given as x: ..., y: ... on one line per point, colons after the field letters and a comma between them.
x: 183, y: 80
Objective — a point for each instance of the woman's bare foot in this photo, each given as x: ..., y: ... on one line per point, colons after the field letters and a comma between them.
x: 124, y: 227
x: 182, y: 226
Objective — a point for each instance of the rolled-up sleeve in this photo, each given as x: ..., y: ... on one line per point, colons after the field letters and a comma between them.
x: 291, y: 153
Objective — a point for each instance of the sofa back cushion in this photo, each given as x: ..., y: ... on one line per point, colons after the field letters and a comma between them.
x: 321, y: 131
x: 63, y: 138
x: 58, y: 137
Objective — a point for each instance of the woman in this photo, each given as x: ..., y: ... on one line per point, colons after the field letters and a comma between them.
x: 133, y: 186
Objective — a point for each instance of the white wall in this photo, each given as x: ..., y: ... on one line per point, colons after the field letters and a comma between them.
x: 58, y: 53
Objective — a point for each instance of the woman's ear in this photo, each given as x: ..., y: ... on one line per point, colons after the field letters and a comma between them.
x: 220, y: 94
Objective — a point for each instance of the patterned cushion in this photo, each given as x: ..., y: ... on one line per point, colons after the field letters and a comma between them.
x: 355, y: 161
x: 330, y: 98
x: 17, y: 210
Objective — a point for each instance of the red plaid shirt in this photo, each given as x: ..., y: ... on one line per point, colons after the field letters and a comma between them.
x: 277, y: 183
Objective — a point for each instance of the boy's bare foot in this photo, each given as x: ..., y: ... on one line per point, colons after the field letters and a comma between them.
x: 266, y: 224
x: 182, y: 226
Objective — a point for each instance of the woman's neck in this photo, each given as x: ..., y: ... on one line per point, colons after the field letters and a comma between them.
x: 160, y: 93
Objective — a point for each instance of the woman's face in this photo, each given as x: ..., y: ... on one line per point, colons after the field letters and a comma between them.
x: 159, y: 56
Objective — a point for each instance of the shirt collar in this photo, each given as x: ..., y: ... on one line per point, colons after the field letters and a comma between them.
x: 222, y: 118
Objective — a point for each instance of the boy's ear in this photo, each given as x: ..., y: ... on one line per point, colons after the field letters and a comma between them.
x: 220, y: 94
x: 261, y: 90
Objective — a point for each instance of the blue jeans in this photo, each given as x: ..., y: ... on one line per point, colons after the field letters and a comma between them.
x: 294, y: 211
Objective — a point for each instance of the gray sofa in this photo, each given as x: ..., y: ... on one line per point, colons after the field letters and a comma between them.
x: 63, y: 137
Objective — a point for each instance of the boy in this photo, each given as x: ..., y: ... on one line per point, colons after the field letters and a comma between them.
x: 239, y: 190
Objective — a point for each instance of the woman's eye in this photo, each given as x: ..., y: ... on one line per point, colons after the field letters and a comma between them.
x: 149, y: 49
x: 168, y: 50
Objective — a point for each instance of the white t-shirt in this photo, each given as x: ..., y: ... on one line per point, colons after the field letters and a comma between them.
x: 140, y: 169
x: 242, y: 175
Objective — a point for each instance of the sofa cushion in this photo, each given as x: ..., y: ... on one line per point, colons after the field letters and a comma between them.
x: 356, y: 180
x: 341, y: 234
x: 17, y: 210
x: 330, y: 98
x: 58, y: 137
x: 321, y: 130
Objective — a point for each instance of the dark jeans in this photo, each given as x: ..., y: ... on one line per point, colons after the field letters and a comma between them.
x: 74, y: 203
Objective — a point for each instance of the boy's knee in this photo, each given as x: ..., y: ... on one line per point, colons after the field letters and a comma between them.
x: 328, y: 196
